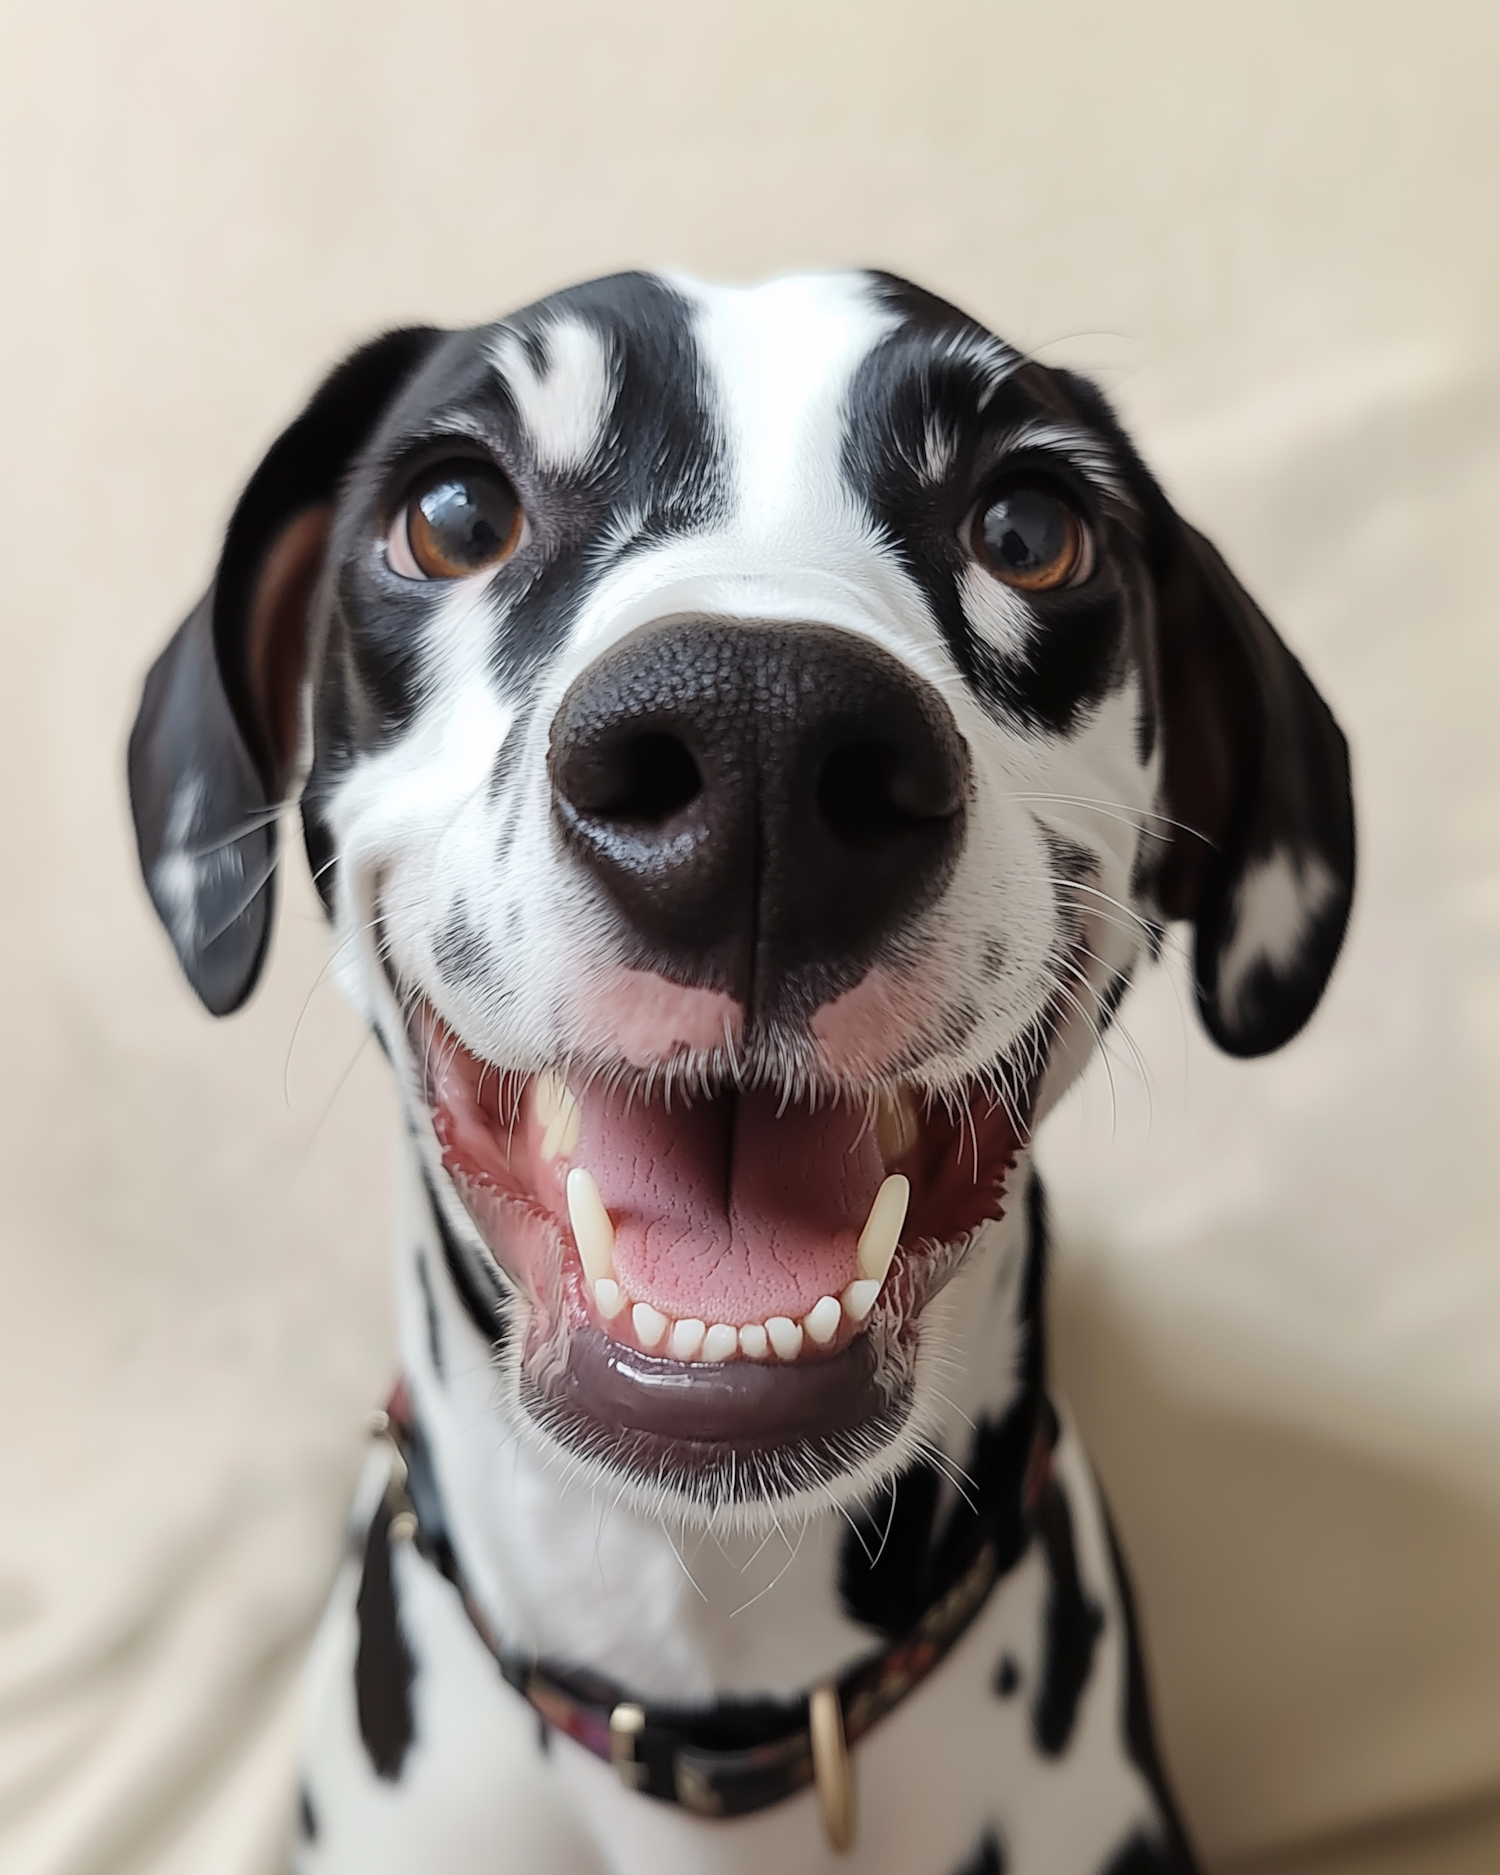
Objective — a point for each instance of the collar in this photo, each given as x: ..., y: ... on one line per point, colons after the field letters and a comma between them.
x: 736, y: 1755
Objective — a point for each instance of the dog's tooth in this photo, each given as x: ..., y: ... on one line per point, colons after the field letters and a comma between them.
x: 609, y: 1297
x: 560, y: 1115
x: 785, y: 1336
x: 544, y: 1091
x: 720, y: 1342
x: 592, y: 1230
x: 896, y: 1125
x: 649, y: 1324
x: 754, y: 1343
x: 859, y: 1298
x: 882, y: 1231
x: 822, y: 1319
x: 686, y: 1338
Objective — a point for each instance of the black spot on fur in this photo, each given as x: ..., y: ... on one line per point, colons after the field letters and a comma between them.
x: 1071, y: 1628
x: 383, y: 1665
x: 988, y: 1857
x: 994, y: 956
x: 307, y: 1816
x: 462, y: 953
x: 958, y: 1025
x: 1140, y: 1734
x: 434, y: 1326
x: 1143, y: 1855
x: 543, y: 1736
x: 883, y: 1576
x: 1007, y: 1677
x: 1111, y: 996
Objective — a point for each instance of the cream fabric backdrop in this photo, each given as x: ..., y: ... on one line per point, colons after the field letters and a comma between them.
x: 1271, y: 230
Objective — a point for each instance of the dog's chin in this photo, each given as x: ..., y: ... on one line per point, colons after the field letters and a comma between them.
x: 722, y: 1296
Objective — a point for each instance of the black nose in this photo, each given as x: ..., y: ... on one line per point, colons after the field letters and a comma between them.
x: 764, y: 804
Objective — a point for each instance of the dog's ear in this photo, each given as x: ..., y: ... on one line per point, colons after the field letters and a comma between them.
x: 217, y: 741
x: 1257, y: 775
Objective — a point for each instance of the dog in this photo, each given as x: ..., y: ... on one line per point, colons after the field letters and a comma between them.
x: 746, y: 742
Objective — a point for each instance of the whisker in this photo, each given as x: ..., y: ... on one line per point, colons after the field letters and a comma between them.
x: 251, y: 896
x: 252, y: 823
x: 1118, y: 810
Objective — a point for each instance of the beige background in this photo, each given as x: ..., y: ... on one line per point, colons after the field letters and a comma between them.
x: 1271, y: 230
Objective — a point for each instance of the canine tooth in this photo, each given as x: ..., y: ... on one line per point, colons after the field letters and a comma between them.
x: 822, y: 1319
x: 687, y: 1338
x: 896, y: 1125
x: 720, y: 1342
x: 785, y: 1336
x: 859, y: 1299
x: 609, y: 1297
x: 559, y: 1113
x: 882, y: 1231
x: 754, y: 1344
x: 649, y: 1324
x: 592, y: 1230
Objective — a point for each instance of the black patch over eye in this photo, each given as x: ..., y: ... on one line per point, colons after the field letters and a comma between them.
x: 458, y: 519
x: 1030, y: 538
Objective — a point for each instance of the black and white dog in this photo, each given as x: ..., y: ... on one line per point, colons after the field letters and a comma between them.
x: 746, y: 740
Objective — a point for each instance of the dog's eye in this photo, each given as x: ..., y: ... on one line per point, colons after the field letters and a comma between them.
x: 457, y: 520
x: 1030, y: 538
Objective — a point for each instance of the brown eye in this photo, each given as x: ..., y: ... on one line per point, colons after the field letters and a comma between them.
x: 1031, y: 539
x: 459, y: 519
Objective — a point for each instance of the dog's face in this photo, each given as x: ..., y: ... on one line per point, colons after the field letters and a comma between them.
x: 746, y: 741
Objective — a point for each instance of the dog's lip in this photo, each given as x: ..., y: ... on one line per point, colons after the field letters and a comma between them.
x: 734, y: 1406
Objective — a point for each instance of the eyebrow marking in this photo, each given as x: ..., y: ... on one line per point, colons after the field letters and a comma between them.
x: 565, y: 404
x: 1081, y: 447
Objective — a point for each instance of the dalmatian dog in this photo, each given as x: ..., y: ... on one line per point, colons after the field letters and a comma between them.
x: 746, y: 741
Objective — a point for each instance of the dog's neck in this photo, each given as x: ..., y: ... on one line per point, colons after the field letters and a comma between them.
x: 563, y: 1570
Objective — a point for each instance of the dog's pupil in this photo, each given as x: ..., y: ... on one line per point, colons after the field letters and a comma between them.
x: 1026, y: 530
x: 470, y: 518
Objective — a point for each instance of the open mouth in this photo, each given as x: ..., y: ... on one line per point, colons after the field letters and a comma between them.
x: 716, y: 1276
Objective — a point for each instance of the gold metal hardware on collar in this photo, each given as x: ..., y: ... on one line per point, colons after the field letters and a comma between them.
x: 831, y: 1766
x: 626, y: 1723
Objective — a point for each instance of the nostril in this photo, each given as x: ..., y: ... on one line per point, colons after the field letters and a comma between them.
x: 869, y: 792
x: 640, y: 780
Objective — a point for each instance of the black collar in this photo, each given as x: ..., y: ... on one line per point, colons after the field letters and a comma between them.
x: 739, y: 1754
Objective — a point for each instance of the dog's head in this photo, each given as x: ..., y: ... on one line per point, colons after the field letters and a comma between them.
x: 745, y: 741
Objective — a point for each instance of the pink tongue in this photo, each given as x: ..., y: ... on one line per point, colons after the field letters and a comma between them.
x: 723, y: 1211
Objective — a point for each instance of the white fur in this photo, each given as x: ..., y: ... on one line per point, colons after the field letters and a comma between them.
x: 1278, y: 901
x: 565, y: 406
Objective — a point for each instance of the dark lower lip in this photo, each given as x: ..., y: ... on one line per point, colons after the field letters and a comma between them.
x: 741, y: 1404
x: 672, y: 1422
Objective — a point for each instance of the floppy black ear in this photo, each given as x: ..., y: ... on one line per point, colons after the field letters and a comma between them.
x: 1256, y: 765
x: 216, y: 742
